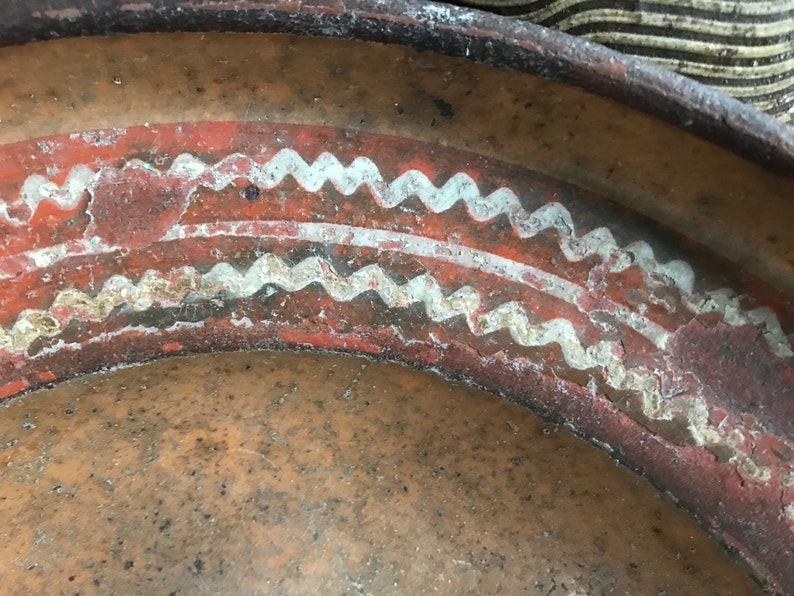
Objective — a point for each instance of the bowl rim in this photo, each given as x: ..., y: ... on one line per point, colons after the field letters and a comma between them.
x: 457, y: 32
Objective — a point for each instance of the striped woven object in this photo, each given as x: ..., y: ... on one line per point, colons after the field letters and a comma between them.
x: 743, y: 48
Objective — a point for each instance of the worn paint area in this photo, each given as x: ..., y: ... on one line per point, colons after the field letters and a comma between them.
x: 127, y: 244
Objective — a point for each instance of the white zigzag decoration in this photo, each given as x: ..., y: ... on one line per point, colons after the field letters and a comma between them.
x: 461, y: 187
x: 171, y: 290
x: 187, y: 284
x: 363, y: 172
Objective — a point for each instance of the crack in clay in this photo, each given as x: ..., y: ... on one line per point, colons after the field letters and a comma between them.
x: 362, y: 171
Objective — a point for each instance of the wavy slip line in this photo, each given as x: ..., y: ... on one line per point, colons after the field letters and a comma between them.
x: 37, y: 188
x: 720, y: 301
x: 386, y: 240
x: 187, y: 284
x: 420, y: 246
x: 363, y: 172
x: 460, y: 187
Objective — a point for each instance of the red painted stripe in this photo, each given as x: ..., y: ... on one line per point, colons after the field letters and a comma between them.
x: 12, y: 388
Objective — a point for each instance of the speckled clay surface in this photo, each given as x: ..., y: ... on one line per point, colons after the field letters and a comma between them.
x: 691, y: 185
x: 281, y: 473
x: 183, y: 193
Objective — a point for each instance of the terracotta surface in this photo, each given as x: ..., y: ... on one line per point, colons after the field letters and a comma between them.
x: 188, y: 193
x: 706, y: 192
x: 473, y: 35
x: 287, y: 474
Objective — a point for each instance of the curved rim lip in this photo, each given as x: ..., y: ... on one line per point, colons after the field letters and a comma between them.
x: 453, y: 31
x: 495, y: 41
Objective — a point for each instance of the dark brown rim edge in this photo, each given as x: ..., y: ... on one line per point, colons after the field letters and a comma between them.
x: 456, y: 32
x: 499, y: 43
